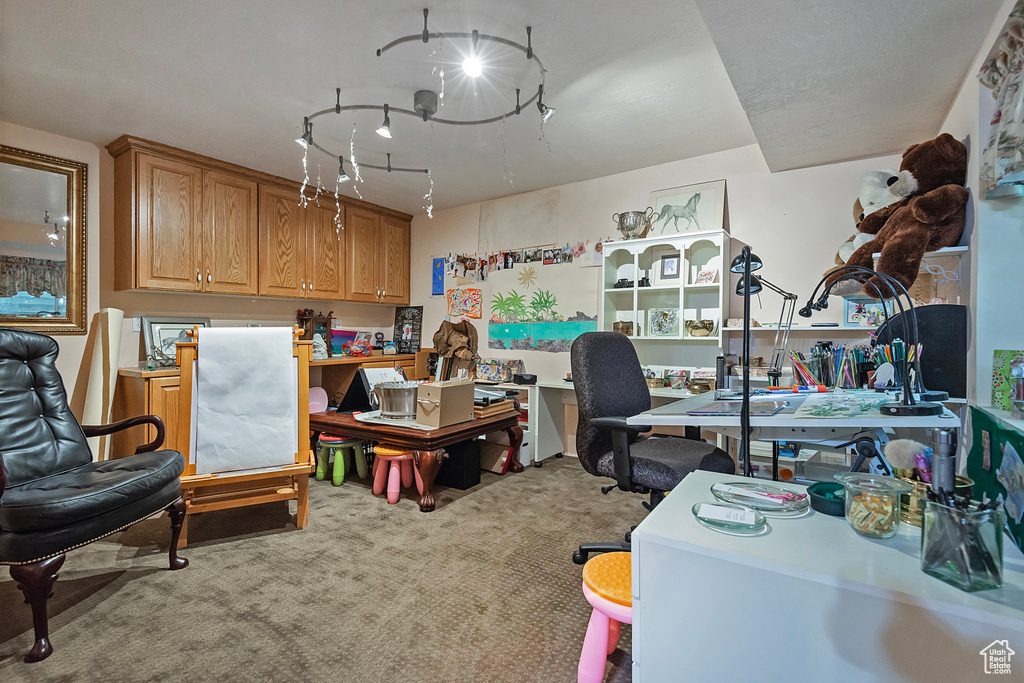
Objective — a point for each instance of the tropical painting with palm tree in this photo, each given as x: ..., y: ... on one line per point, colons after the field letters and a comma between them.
x: 534, y: 324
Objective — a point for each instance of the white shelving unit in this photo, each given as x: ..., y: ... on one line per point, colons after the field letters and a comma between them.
x: 679, y: 296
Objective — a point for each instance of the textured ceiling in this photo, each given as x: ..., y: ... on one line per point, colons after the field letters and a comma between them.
x: 833, y: 80
x: 634, y: 84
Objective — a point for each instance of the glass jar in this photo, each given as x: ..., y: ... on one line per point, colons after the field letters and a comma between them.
x: 873, y: 503
x: 964, y: 548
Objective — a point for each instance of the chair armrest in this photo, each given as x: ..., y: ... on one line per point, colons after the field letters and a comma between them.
x: 102, y: 430
x: 618, y: 423
x: 620, y: 447
x: 3, y: 476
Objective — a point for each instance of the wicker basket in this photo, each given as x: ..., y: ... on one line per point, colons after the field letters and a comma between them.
x: 912, y: 504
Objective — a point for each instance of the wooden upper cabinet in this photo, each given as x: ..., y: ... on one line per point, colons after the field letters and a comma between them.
x: 170, y: 222
x: 393, y: 260
x: 230, y: 231
x: 361, y: 235
x: 325, y: 253
x: 282, y: 243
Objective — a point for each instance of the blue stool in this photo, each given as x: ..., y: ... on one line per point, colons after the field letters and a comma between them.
x: 343, y: 450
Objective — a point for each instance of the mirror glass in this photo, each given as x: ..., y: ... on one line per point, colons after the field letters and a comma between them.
x: 41, y: 242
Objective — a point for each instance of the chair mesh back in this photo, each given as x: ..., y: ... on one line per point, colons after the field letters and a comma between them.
x: 39, y: 435
x: 609, y: 383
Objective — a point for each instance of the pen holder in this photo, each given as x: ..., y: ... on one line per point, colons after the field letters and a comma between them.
x: 964, y: 548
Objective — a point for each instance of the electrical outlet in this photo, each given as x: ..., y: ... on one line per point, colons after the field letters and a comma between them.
x: 136, y: 323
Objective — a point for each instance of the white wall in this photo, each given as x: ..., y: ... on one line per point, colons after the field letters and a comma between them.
x: 997, y: 237
x: 793, y: 220
x: 72, y: 347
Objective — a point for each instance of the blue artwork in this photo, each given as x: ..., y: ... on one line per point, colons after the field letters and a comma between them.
x: 437, y: 278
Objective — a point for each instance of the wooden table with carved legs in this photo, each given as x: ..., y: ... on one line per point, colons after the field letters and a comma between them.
x: 428, y: 446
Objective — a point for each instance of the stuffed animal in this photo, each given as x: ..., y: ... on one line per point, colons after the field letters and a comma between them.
x: 875, y: 193
x: 931, y: 218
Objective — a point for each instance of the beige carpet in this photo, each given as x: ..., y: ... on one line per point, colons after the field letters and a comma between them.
x: 482, y: 589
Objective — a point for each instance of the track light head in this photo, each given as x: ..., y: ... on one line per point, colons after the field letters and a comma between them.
x: 342, y: 176
x: 385, y: 128
x: 307, y: 134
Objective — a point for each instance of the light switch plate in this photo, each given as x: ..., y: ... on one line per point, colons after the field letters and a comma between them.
x: 136, y: 323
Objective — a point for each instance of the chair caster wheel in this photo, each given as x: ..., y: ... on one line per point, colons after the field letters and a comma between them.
x: 578, y: 557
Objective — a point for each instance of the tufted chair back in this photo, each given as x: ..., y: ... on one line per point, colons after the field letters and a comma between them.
x: 609, y: 383
x: 39, y: 436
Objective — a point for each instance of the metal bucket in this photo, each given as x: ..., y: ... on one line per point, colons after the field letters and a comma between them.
x: 397, y: 399
x: 633, y: 224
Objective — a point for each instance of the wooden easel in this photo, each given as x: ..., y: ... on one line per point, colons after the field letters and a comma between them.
x: 220, y: 491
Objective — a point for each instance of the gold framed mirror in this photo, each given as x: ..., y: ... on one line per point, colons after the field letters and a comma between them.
x: 42, y: 242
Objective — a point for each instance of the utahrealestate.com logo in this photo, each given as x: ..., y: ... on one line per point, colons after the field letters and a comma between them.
x: 997, y: 657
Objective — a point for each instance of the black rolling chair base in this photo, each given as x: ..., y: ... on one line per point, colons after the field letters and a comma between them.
x: 581, y: 555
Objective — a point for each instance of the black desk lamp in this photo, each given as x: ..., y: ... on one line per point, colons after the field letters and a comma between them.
x: 744, y: 264
x: 757, y: 283
x: 895, y: 288
x: 908, y: 407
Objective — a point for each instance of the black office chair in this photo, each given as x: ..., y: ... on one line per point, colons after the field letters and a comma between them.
x: 53, y: 497
x: 610, y: 387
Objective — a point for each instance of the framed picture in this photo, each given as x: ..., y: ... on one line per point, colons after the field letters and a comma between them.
x: 689, y: 208
x: 663, y: 322
x: 863, y: 312
x: 408, y: 328
x: 706, y: 276
x: 160, y: 334
x: 670, y: 267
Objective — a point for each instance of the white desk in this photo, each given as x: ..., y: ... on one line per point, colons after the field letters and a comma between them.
x: 552, y: 397
x: 811, y: 600
x: 784, y: 426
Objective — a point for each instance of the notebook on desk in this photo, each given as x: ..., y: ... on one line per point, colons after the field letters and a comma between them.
x: 757, y: 408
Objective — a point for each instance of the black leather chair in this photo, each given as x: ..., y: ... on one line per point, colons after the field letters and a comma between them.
x: 610, y: 387
x: 53, y: 497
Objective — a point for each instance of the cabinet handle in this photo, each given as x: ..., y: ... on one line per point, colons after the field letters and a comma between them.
x: 199, y: 277
x: 209, y: 278
x: 303, y: 285
x: 311, y: 286
x: 383, y: 294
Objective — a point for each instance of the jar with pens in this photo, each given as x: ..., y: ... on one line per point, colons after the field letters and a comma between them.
x: 962, y: 541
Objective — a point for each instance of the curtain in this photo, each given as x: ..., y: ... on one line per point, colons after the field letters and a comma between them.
x: 1002, y: 160
x: 32, y: 275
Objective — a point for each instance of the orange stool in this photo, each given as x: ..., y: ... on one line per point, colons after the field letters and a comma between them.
x: 400, y: 472
x: 607, y: 585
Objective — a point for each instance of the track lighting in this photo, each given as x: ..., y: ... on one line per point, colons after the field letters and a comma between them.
x: 342, y: 176
x: 472, y: 64
x: 385, y: 128
x: 307, y: 134
x: 545, y: 111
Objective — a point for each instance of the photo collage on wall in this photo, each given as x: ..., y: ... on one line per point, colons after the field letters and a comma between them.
x: 473, y: 268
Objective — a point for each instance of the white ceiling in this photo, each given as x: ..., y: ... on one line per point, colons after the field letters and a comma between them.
x: 834, y: 80
x: 635, y: 83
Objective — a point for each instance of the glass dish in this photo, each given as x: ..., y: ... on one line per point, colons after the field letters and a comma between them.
x: 792, y: 507
x: 873, y: 502
x: 737, y: 520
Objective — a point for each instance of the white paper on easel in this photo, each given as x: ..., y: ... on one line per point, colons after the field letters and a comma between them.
x: 246, y: 407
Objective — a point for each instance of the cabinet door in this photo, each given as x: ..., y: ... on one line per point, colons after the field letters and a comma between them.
x: 325, y: 253
x: 163, y: 402
x: 230, y: 229
x: 282, y: 243
x: 361, y: 241
x: 393, y: 260
x: 170, y: 224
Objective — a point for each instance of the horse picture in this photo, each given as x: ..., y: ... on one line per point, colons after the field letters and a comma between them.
x: 687, y: 212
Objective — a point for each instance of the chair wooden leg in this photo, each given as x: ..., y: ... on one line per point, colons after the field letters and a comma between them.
x: 36, y: 581
x: 177, y: 512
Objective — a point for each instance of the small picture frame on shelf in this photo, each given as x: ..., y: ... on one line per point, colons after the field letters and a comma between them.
x: 161, y: 335
x: 670, y: 267
x: 663, y: 322
x: 707, y: 276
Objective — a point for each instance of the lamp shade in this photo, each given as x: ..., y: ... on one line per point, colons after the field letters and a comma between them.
x: 755, y: 285
x: 737, y: 263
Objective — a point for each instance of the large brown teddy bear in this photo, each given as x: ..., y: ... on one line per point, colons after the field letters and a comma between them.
x: 931, y: 218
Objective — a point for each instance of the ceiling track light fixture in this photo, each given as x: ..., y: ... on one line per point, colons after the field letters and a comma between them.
x: 425, y: 102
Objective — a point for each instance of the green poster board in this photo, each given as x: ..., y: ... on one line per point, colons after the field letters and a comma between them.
x: 994, y: 464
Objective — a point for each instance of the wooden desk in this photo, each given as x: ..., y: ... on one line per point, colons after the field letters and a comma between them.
x: 428, y: 446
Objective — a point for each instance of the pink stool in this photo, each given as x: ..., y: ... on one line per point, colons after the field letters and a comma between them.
x: 400, y: 472
x: 608, y: 573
